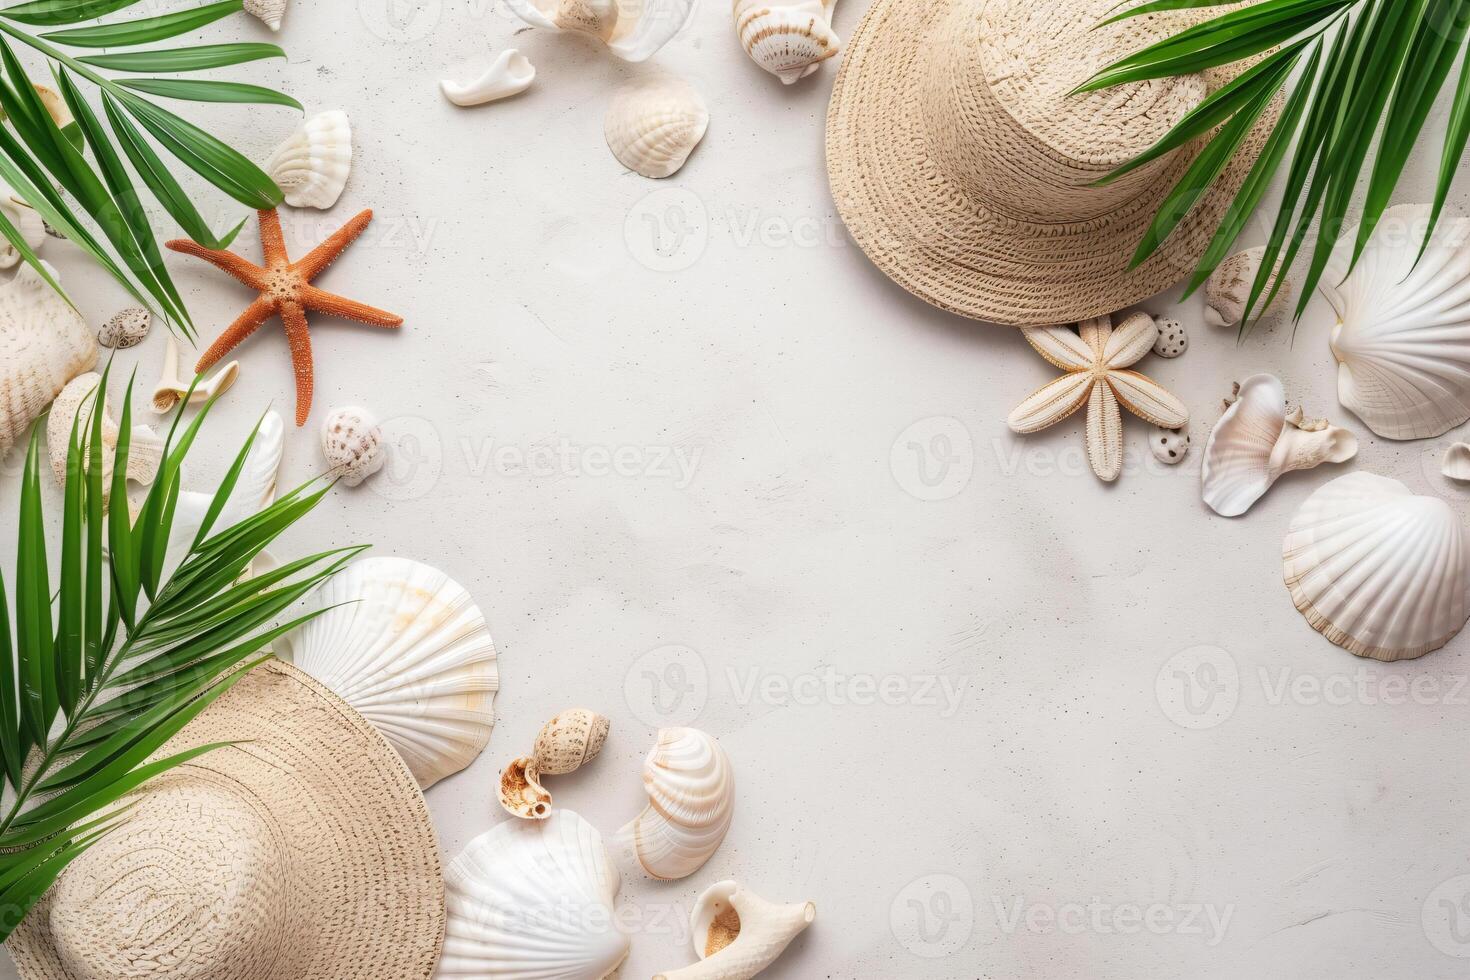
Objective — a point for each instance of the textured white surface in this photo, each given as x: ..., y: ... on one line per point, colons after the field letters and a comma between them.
x: 1321, y: 813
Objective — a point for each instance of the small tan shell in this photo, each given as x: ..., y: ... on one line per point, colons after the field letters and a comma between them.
x: 352, y: 444
x: 521, y: 792
x: 127, y: 328
x: 653, y: 124
x: 565, y: 743
x: 788, y: 38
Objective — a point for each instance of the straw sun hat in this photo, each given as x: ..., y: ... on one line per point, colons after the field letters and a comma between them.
x: 963, y: 167
x: 304, y: 852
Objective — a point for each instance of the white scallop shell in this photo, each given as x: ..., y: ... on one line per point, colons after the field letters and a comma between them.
x: 74, y: 405
x: 271, y: 12
x: 511, y: 74
x: 44, y: 343
x: 1229, y: 288
x: 632, y: 30
x: 737, y: 934
x: 1377, y: 570
x: 353, y: 444
x: 1402, y: 338
x: 255, y: 490
x: 312, y: 165
x: 532, y: 900
x: 1256, y: 442
x: 173, y: 386
x: 411, y: 652
x: 31, y: 226
x: 790, y: 40
x: 691, y: 801
x: 653, y: 124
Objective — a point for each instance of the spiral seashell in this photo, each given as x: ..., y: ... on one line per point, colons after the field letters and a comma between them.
x: 790, y: 40
x: 353, y: 444
x: 654, y: 123
x: 691, y: 801
x: 44, y: 343
x: 565, y: 743
x: 270, y: 12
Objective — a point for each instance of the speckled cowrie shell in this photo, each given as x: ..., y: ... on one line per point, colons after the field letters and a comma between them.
x: 1172, y: 341
x: 1169, y: 446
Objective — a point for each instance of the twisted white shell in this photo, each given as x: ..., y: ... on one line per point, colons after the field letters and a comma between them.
x: 44, y: 343
x: 737, y: 934
x: 1229, y: 288
x: 565, y: 743
x: 653, y: 124
x: 532, y: 900
x: 1256, y: 442
x: 74, y: 405
x: 312, y: 165
x: 32, y: 226
x: 632, y: 30
x: 353, y: 444
x: 271, y: 12
x: 1402, y: 338
x: 1377, y: 570
x: 511, y: 73
x: 691, y: 801
x: 173, y: 386
x: 788, y: 39
x: 409, y: 649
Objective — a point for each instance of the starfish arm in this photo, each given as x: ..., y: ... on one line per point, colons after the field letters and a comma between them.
x: 300, y: 340
x: 1104, y: 434
x: 272, y: 240
x: 1095, y: 334
x: 1051, y: 404
x: 1148, y: 400
x: 326, y: 253
x: 1061, y: 347
x: 245, y: 324
x: 246, y: 272
x: 1134, y: 338
x: 330, y: 303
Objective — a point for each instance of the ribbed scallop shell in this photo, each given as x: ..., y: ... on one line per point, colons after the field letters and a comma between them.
x: 312, y: 165
x: 1403, y: 333
x: 75, y: 405
x: 789, y: 40
x: 1377, y: 570
x: 632, y: 30
x: 532, y: 900
x: 408, y: 648
x: 691, y: 800
x: 654, y: 123
x: 44, y: 343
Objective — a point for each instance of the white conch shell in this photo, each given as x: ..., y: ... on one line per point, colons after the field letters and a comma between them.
x: 172, y: 386
x: 737, y: 934
x: 31, y: 225
x: 74, y: 405
x: 791, y: 39
x: 255, y: 490
x: 312, y: 165
x: 1402, y: 338
x: 1377, y: 570
x: 1456, y: 463
x: 272, y: 12
x: 1229, y: 287
x: 1256, y: 441
x: 512, y: 73
x: 691, y: 800
x: 532, y: 901
x: 353, y: 444
x: 408, y: 648
x: 632, y: 33
x: 565, y: 743
x: 653, y: 123
x: 125, y: 328
x: 44, y: 343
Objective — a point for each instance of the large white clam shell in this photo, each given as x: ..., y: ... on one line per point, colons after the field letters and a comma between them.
x: 691, y: 801
x: 312, y: 165
x: 790, y: 40
x: 1256, y: 442
x: 1377, y: 570
x: 1402, y: 338
x: 409, y: 649
x: 653, y: 124
x: 44, y: 343
x: 532, y: 900
x: 632, y: 30
x: 74, y: 406
x: 737, y: 934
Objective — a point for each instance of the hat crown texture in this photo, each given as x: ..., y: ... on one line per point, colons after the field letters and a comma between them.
x: 1000, y: 119
x: 131, y: 906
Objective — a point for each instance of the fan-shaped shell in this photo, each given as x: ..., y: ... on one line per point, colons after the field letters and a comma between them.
x: 1377, y: 570
x: 75, y: 405
x: 44, y: 343
x: 789, y: 40
x: 691, y: 801
x: 532, y: 901
x: 408, y: 648
x: 632, y: 30
x: 312, y: 165
x: 654, y: 123
x: 1402, y: 338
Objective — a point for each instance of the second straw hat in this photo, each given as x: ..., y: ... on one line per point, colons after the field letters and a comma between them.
x: 964, y: 167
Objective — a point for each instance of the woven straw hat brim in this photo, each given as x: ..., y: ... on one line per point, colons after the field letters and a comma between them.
x: 923, y: 231
x: 365, y: 892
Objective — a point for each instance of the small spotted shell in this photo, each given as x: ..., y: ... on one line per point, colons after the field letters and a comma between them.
x: 352, y: 444
x: 1172, y: 341
x: 127, y: 328
x: 569, y: 741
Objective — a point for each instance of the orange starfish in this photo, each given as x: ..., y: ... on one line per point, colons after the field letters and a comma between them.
x: 285, y: 288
